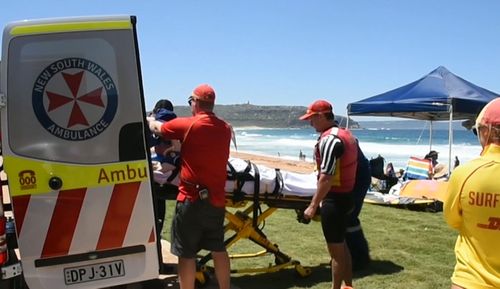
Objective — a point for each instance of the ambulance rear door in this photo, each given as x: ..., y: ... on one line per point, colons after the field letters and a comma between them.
x: 75, y: 154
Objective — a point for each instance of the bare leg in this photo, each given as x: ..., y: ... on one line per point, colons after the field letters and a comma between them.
x: 454, y: 286
x: 222, y: 269
x: 341, y: 264
x: 187, y: 272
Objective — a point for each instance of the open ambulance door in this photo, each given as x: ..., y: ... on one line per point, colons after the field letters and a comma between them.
x: 75, y: 152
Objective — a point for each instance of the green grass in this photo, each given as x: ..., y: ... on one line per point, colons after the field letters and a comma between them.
x: 409, y: 249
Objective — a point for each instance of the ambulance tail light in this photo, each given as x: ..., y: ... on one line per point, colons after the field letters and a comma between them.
x: 3, y: 241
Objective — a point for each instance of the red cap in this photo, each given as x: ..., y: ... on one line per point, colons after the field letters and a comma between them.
x: 490, y: 114
x: 317, y: 107
x: 204, y: 92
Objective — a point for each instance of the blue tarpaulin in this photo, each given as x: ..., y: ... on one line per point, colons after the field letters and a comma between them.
x: 428, y: 98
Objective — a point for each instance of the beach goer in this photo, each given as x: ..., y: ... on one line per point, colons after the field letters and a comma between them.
x: 163, y: 111
x: 198, y: 222
x: 391, y: 177
x: 302, y: 156
x: 433, y: 157
x: 457, y: 163
x: 389, y: 170
x: 166, y: 152
x: 472, y: 207
x: 336, y: 155
x: 438, y: 170
x: 400, y: 173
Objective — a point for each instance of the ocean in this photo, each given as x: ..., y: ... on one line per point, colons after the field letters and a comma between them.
x: 395, y: 145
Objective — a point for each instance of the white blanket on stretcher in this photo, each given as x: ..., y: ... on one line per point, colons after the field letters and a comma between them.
x: 292, y: 184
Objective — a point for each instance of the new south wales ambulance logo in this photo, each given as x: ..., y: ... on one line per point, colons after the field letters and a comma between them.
x: 74, y: 99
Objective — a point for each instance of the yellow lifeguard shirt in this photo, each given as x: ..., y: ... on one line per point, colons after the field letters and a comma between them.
x: 472, y: 207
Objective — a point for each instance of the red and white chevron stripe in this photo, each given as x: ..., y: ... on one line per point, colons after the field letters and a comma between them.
x: 83, y: 220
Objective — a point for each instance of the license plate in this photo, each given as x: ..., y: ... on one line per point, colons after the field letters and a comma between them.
x: 94, y: 272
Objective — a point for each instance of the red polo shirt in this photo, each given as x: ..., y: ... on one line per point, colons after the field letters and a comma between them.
x: 204, y: 154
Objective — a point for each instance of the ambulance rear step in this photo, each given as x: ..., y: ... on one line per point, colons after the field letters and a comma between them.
x: 95, y: 255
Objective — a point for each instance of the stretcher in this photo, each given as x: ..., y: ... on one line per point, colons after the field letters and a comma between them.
x: 248, y: 187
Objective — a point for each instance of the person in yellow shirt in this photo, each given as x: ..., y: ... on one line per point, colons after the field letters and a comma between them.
x: 472, y: 207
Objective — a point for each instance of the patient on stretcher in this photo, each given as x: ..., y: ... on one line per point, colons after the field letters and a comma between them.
x: 243, y: 175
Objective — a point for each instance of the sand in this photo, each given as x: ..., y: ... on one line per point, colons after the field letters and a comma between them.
x: 275, y: 162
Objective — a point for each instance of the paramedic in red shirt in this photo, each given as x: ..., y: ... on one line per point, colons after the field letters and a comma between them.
x: 336, y: 155
x: 199, y: 217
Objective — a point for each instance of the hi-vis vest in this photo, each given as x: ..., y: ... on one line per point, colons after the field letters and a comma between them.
x: 73, y: 122
x: 344, y: 176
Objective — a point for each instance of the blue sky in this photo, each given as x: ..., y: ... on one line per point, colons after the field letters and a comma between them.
x: 291, y: 52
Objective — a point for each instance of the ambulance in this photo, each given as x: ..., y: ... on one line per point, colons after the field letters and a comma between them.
x: 74, y: 151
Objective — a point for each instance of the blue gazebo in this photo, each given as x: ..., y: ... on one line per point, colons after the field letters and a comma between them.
x: 439, y: 95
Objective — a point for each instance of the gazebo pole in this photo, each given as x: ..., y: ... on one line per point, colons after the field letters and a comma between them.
x: 347, y: 121
x: 430, y: 136
x: 450, y: 137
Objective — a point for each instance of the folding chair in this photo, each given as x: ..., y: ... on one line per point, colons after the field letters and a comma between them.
x: 418, y: 169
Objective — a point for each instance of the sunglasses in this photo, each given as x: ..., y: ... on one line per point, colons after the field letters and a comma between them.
x: 191, y: 100
x: 476, y: 128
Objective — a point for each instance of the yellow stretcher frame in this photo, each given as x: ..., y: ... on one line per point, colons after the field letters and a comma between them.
x: 246, y: 225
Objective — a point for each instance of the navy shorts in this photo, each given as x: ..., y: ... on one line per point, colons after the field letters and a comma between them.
x: 195, y: 226
x: 335, y: 213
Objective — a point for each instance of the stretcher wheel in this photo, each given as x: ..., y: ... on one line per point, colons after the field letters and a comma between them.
x: 281, y: 260
x: 303, y: 271
x: 202, y: 276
